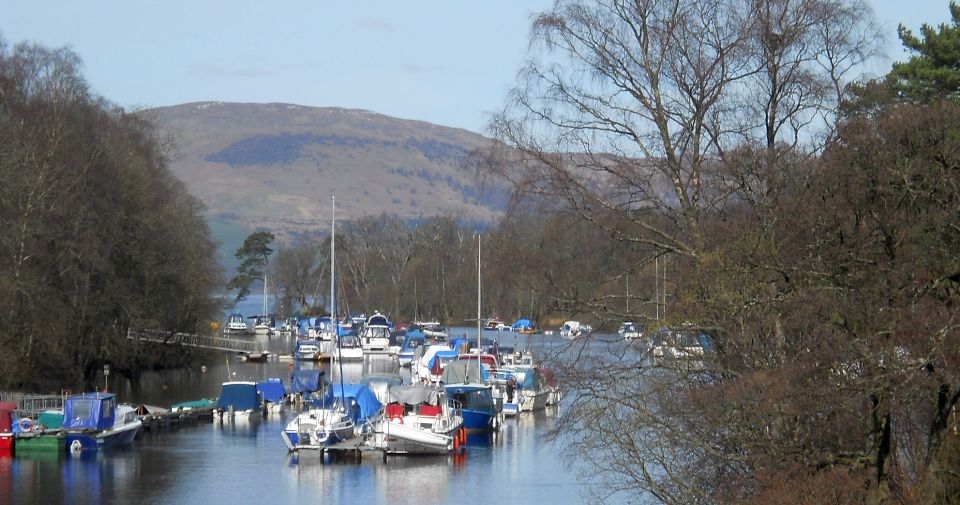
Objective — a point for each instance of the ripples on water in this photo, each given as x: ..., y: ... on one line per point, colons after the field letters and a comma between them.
x: 213, y: 463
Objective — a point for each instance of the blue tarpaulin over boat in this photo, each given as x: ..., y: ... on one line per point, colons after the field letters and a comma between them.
x: 239, y: 395
x: 527, y: 377
x: 306, y: 381
x: 461, y: 345
x: 89, y: 410
x: 367, y: 404
x: 272, y: 390
x: 443, y: 356
x: 522, y: 324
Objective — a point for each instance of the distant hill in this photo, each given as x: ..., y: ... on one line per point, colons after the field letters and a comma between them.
x: 275, y: 166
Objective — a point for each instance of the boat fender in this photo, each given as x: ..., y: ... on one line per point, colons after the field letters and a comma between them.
x: 25, y: 424
x: 76, y: 446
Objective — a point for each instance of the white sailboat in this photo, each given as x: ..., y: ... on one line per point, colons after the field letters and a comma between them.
x: 262, y: 322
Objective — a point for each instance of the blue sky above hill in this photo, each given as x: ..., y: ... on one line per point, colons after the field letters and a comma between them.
x: 449, y: 63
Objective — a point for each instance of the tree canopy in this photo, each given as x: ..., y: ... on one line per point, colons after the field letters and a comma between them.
x: 254, y: 255
x: 98, y: 235
x: 933, y: 71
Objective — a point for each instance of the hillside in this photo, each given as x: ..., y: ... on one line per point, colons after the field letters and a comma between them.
x: 275, y: 166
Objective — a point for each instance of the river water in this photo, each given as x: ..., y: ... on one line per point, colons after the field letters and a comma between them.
x: 213, y: 463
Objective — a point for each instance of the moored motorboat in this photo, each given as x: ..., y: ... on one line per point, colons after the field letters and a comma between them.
x: 45, y: 436
x: 318, y: 429
x: 375, y: 336
x: 573, y: 329
x: 95, y: 421
x: 524, y: 327
x: 239, y: 401
x: 273, y: 393
x: 417, y: 420
x: 630, y: 331
x: 531, y: 388
x: 413, y: 340
x: 236, y: 324
x: 349, y: 349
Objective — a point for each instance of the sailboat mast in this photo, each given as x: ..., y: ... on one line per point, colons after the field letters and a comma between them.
x: 479, y: 322
x: 333, y: 292
x: 333, y: 272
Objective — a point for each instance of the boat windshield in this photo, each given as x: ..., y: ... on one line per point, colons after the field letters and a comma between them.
x: 480, y: 399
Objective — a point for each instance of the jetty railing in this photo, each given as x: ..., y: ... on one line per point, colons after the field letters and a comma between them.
x: 194, y: 340
x: 31, y: 404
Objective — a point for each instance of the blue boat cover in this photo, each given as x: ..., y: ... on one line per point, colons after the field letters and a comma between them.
x: 527, y: 377
x: 366, y: 401
x: 442, y: 355
x: 522, y: 324
x: 412, y: 340
x: 378, y: 320
x: 460, y: 345
x: 306, y: 381
x: 89, y: 410
x: 272, y: 389
x: 239, y: 395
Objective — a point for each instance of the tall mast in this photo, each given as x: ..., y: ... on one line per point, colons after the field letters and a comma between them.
x: 479, y: 321
x: 628, y: 296
x: 333, y: 272
x: 333, y: 292
x: 656, y: 283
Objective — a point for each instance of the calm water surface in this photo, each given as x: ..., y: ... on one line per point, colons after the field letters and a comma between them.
x: 223, y: 463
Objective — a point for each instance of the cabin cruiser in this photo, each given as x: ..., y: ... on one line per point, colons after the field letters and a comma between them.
x: 418, y: 419
x: 630, y: 331
x: 95, y: 421
x: 375, y: 336
x: 236, y: 323
x: 349, y: 349
x: 239, y: 401
x: 573, y: 329
x: 413, y: 340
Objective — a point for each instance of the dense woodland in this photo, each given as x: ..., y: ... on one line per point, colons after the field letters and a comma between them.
x: 98, y: 236
x: 812, y: 225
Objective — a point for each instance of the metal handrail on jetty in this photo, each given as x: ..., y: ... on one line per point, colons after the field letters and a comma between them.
x: 194, y: 340
x: 32, y: 405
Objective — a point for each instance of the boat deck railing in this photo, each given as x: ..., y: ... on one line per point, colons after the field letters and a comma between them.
x: 195, y: 340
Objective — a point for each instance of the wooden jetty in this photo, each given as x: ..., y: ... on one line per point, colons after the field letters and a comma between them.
x: 154, y: 417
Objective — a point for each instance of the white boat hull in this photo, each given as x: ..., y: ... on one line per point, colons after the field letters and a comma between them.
x: 534, y: 400
x: 416, y: 434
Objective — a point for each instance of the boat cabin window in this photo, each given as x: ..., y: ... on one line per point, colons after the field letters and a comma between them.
x: 106, y: 407
x: 82, y: 409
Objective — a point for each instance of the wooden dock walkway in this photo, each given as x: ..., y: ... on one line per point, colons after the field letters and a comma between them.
x: 193, y: 340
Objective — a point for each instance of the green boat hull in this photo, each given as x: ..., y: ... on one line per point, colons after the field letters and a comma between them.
x: 41, y: 443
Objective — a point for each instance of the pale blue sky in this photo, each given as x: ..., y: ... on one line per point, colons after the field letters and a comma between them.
x: 444, y: 61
